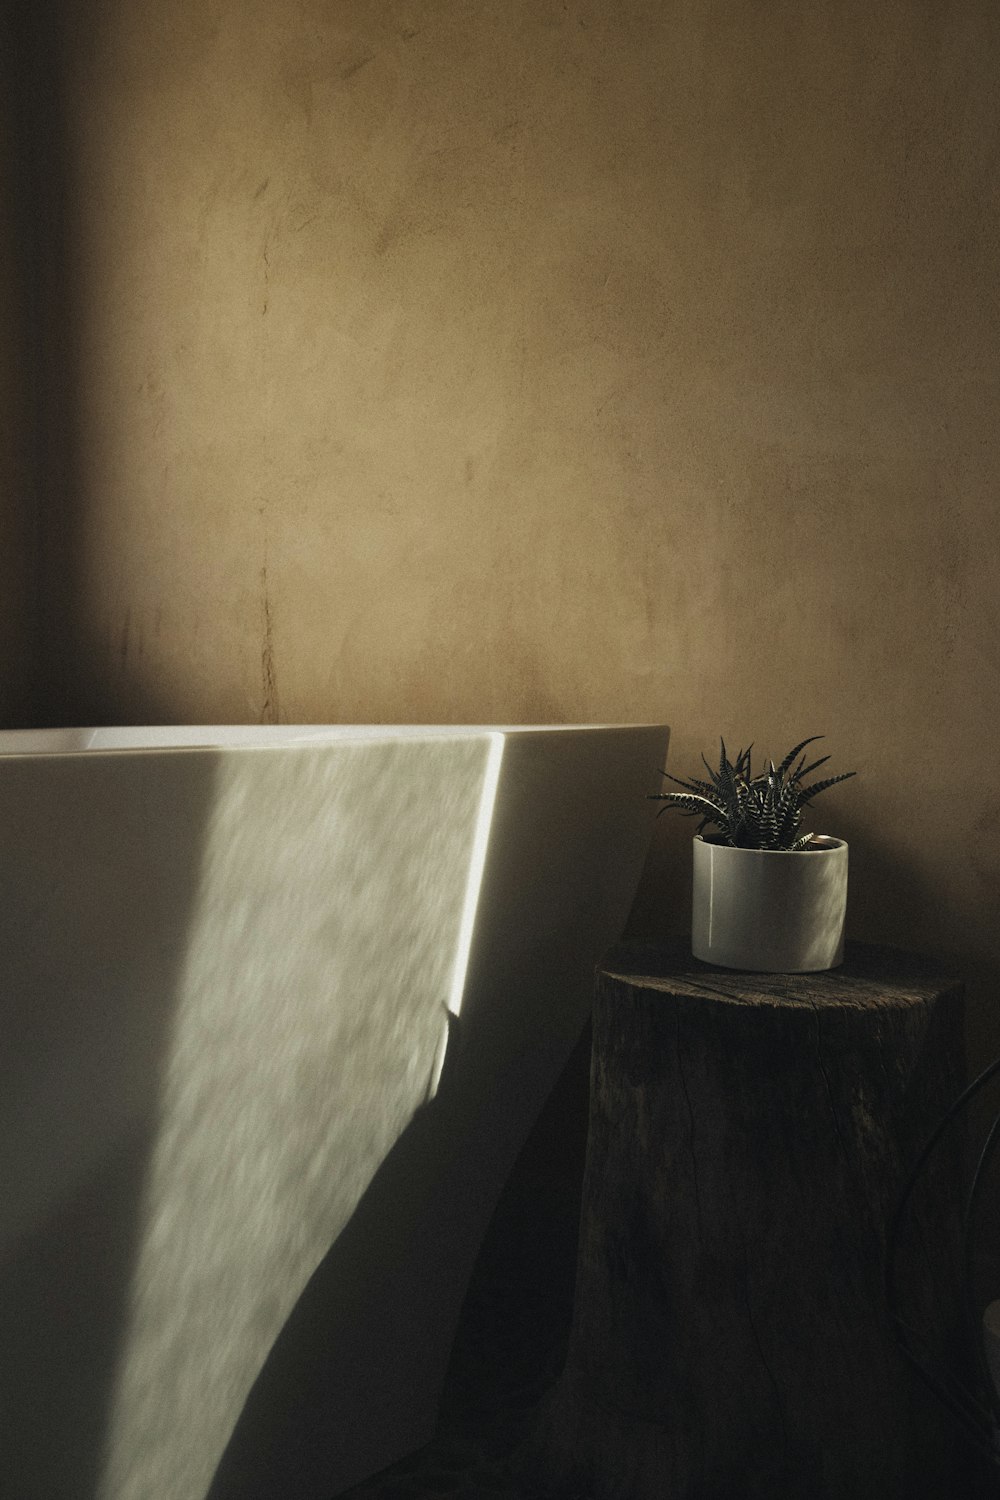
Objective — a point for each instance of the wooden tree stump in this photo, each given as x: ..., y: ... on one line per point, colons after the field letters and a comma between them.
x: 749, y: 1138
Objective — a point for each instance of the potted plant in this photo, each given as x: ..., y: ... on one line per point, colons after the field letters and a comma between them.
x: 766, y: 896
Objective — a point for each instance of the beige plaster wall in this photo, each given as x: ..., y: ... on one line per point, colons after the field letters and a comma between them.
x: 555, y: 360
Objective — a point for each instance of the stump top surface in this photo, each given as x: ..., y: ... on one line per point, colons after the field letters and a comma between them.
x: 871, y: 976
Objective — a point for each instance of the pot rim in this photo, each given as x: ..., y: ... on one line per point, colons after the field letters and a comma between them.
x: 822, y: 843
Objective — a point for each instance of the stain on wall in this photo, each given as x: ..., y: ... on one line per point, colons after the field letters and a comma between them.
x: 586, y: 362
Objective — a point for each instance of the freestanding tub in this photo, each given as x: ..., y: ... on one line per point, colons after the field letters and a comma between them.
x: 280, y: 1006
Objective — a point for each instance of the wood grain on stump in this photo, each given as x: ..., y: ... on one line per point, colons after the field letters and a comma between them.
x: 749, y: 1137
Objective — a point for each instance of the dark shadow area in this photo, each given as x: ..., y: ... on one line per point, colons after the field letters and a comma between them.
x: 662, y: 907
x: 101, y: 863
x: 44, y: 282
x: 63, y: 1319
x: 888, y: 899
x: 514, y: 1326
x: 99, y: 868
x: 513, y: 1329
x: 19, y: 621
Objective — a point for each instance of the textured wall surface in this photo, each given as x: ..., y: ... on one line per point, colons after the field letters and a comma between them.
x: 552, y: 360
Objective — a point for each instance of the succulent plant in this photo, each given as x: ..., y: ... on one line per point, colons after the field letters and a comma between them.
x: 753, y: 812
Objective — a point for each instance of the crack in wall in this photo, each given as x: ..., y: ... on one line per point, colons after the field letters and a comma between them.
x: 270, y: 713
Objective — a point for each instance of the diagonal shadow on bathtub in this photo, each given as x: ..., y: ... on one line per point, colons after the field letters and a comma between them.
x: 352, y: 1382
x: 353, y: 1378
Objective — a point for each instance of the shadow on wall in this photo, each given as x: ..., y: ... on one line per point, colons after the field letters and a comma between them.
x: 888, y: 899
x: 893, y: 900
x: 18, y: 559
x: 46, y: 319
x: 662, y: 907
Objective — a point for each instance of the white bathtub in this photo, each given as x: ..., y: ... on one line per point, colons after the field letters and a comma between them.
x: 280, y: 1006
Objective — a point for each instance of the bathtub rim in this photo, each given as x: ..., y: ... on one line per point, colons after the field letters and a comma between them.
x: 142, y: 739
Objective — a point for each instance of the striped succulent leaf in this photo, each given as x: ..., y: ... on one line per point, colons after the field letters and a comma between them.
x: 809, y: 792
x: 753, y: 812
x: 786, y: 763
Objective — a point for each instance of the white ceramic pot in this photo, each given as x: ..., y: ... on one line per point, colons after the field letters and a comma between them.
x: 770, y: 910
